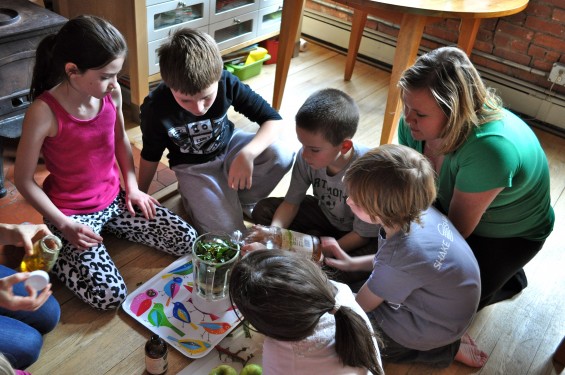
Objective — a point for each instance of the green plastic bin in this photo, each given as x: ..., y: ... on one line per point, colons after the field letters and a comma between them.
x: 244, y: 72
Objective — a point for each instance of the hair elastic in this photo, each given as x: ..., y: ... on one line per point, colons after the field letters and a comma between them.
x: 335, y: 309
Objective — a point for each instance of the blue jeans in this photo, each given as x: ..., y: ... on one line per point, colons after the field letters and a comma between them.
x: 21, y: 331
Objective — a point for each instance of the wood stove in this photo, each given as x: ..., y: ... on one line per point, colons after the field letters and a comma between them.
x: 22, y: 26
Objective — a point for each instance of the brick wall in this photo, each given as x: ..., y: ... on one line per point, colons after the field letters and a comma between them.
x: 533, y: 39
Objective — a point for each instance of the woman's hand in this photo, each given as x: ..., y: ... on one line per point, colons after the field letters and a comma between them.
x: 241, y: 172
x: 10, y: 301
x: 145, y: 202
x: 23, y: 235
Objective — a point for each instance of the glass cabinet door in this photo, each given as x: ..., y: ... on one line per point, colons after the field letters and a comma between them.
x: 233, y: 31
x: 221, y: 10
x: 269, y: 19
x: 165, y: 17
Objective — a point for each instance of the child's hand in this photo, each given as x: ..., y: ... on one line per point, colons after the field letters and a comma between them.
x: 145, y: 202
x: 247, y: 248
x: 80, y: 235
x: 334, y: 256
x: 241, y: 171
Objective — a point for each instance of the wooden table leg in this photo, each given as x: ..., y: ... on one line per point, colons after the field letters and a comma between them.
x: 409, y: 37
x: 468, y: 33
x: 357, y: 27
x: 292, y: 10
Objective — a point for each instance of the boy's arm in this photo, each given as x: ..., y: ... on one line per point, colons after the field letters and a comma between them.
x: 352, y: 241
x: 337, y: 258
x: 285, y: 214
x: 367, y: 299
x: 241, y: 168
x: 147, y: 170
x: 266, y: 135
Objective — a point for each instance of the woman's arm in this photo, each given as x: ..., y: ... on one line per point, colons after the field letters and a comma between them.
x: 466, y: 209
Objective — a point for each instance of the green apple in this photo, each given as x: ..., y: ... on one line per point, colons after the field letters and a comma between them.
x: 223, y: 370
x: 252, y: 369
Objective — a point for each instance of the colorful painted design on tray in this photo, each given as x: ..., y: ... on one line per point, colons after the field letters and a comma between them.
x: 172, y: 288
x: 142, y: 302
x: 192, y: 346
x: 181, y: 313
x: 183, y: 270
x: 241, y: 347
x: 164, y: 305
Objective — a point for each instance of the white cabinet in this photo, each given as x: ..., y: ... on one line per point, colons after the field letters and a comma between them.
x: 222, y: 10
x: 229, y: 22
x: 165, y: 17
x: 234, y: 30
x: 269, y: 18
x: 146, y: 24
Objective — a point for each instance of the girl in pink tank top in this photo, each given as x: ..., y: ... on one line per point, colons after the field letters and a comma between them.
x: 76, y: 122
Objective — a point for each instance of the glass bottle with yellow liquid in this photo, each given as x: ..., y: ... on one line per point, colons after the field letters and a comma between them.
x: 45, y: 253
x: 272, y: 237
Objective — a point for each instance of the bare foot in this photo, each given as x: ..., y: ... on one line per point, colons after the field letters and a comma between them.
x: 467, y: 339
x: 469, y: 354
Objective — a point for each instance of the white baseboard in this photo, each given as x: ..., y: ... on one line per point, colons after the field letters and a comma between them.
x: 522, y: 97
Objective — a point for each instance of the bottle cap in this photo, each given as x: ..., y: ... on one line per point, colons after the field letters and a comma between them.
x: 38, y: 280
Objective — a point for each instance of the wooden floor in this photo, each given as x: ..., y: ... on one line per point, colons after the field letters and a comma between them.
x: 519, y: 335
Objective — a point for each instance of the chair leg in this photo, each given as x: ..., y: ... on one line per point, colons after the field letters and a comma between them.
x: 357, y: 27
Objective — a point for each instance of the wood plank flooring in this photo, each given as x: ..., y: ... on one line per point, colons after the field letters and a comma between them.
x: 520, y: 335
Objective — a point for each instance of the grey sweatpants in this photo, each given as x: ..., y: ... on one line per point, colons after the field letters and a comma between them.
x: 210, y: 203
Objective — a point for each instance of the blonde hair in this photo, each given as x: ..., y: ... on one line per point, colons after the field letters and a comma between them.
x: 458, y: 90
x: 394, y: 183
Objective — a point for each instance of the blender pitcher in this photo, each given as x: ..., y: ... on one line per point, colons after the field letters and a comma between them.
x: 213, y: 255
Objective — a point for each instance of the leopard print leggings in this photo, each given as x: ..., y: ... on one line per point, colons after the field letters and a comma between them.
x: 92, y: 275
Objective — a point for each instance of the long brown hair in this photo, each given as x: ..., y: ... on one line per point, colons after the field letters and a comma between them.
x: 284, y: 296
x: 89, y: 42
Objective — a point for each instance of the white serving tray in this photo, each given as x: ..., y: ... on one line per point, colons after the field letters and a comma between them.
x: 158, y: 305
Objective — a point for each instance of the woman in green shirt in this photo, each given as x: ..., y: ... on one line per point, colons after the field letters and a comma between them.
x: 493, y: 175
